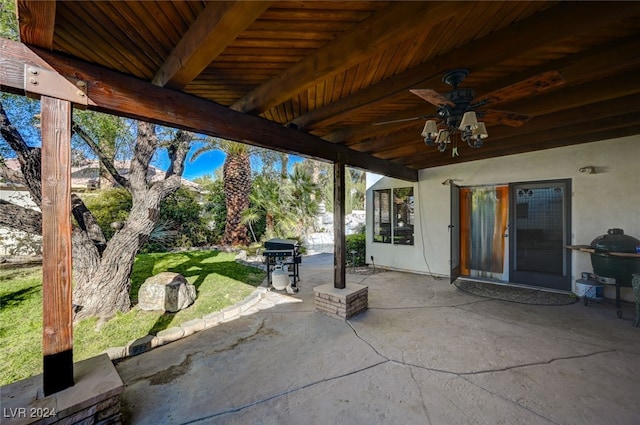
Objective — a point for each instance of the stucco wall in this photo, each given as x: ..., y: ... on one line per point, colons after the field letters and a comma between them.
x: 607, y: 199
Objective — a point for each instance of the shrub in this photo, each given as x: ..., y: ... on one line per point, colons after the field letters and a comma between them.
x: 183, y: 214
x: 356, y: 243
x: 181, y: 223
x: 108, y: 206
x: 214, y: 208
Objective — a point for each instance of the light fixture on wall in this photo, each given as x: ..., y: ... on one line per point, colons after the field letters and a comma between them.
x: 471, y: 131
x: 587, y: 169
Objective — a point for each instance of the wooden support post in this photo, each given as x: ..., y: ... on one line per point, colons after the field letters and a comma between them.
x: 339, y: 259
x: 57, y: 338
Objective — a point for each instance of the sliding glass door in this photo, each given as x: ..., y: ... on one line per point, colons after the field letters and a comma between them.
x: 515, y: 233
x: 484, y: 212
x: 540, y: 228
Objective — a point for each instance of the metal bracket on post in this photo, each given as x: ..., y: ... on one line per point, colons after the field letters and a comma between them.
x: 39, y: 81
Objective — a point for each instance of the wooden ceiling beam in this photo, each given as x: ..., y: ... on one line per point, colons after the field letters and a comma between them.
x: 591, y: 64
x: 391, y: 24
x: 576, y: 69
x: 215, y: 28
x: 612, y: 87
x: 375, y: 144
x: 352, y: 135
x: 559, y: 103
x: 541, y: 29
x: 580, y: 132
x: 37, y: 20
x: 119, y: 94
x: 607, y: 111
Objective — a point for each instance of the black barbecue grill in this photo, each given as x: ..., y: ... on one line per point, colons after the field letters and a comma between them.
x: 285, y: 252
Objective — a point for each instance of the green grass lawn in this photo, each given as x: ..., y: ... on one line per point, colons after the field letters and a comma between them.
x: 218, y: 279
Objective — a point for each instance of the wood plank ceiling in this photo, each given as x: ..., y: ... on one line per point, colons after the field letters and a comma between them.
x: 337, y: 69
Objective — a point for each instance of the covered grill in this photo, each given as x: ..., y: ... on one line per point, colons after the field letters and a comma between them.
x: 608, y: 257
x: 614, y: 259
x: 285, y: 252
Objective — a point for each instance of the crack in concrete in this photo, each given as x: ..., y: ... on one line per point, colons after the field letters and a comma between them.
x: 508, y: 400
x: 462, y: 375
x: 280, y: 394
x: 424, y: 406
x: 532, y: 328
x: 465, y: 375
x: 540, y: 363
x: 294, y: 390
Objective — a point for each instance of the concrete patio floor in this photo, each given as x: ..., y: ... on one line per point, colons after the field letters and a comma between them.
x: 424, y: 353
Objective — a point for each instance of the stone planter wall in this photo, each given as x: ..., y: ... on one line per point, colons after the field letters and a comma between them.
x: 341, y: 303
x: 94, y: 399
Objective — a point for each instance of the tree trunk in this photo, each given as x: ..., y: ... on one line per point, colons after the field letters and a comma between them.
x: 112, y: 278
x: 237, y: 187
x: 105, y: 288
x: 269, y: 224
x: 284, y: 166
x: 101, y: 270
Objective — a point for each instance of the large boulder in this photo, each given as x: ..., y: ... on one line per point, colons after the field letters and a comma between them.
x: 166, y: 291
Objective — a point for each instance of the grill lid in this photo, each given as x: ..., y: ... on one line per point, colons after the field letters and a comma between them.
x: 615, y: 241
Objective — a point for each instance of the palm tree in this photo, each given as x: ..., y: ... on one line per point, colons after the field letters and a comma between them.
x: 236, y: 176
x: 289, y: 206
x: 270, y: 199
x: 305, y: 198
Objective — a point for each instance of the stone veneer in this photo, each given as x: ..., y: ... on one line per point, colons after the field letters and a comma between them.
x: 341, y: 303
x: 94, y: 399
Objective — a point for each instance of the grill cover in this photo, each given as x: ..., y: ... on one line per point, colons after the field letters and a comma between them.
x: 620, y: 268
x: 281, y: 244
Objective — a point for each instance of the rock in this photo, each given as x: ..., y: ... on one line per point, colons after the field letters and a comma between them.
x: 166, y: 291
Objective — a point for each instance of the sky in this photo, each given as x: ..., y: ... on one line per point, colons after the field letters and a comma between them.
x: 206, y: 164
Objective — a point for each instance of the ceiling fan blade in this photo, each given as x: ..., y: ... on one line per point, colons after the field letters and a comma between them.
x: 421, y: 117
x: 528, y: 87
x: 512, y: 119
x: 432, y: 97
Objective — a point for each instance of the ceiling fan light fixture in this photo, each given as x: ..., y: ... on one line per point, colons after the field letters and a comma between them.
x: 456, y: 109
x: 480, y: 131
x: 430, y: 127
x: 429, y: 131
x: 469, y: 121
x: 474, y: 140
x: 443, y: 136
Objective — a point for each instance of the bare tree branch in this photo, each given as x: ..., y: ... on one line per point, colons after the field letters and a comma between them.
x: 28, y: 157
x: 178, y: 150
x: 104, y: 159
x: 146, y: 145
x: 20, y: 218
x: 9, y: 174
x: 87, y: 222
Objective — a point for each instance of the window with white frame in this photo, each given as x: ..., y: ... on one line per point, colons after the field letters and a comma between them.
x: 393, y: 216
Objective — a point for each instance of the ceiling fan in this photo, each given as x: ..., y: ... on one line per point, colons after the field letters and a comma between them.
x: 459, y: 109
